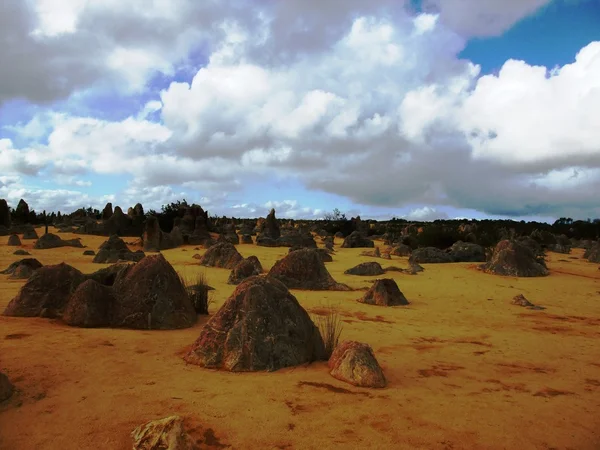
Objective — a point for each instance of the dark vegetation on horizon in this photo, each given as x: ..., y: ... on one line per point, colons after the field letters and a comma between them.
x: 439, y: 233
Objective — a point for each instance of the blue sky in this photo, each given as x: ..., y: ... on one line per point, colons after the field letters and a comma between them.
x: 243, y: 109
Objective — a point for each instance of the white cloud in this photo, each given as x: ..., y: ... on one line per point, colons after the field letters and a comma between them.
x: 374, y: 107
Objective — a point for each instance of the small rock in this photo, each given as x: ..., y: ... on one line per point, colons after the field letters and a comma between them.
x: 163, y: 434
x: 355, y: 363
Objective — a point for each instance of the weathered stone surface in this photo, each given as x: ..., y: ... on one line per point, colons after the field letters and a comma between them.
x: 89, y: 306
x: 4, y: 214
x: 150, y: 294
x: 430, y: 255
x: 114, y: 250
x: 47, y: 291
x: 30, y: 234
x: 50, y: 240
x: 357, y: 240
x: 163, y: 434
x: 355, y: 363
x: 246, y: 268
x: 366, y: 269
x: 384, y: 292
x: 6, y: 388
x: 260, y: 327
x: 304, y: 269
x: 13, y: 241
x: 512, y: 258
x: 466, y: 252
x: 223, y: 255
x: 23, y: 268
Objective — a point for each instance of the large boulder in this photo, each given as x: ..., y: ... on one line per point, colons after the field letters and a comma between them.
x: 466, y: 252
x: 13, y: 241
x: 30, y: 234
x: 223, y: 254
x: 107, y: 212
x: 366, y: 269
x: 592, y: 253
x: 512, y: 258
x: 268, y: 231
x: 246, y: 268
x: 401, y: 250
x: 304, y: 269
x: 50, y: 240
x: 4, y: 214
x: 163, y: 434
x: 23, y: 268
x: 22, y: 211
x: 260, y: 327
x: 46, y: 292
x: 384, y: 292
x: 118, y: 223
x: 108, y: 275
x: 296, y: 240
x: 114, y: 250
x: 430, y: 255
x: 89, y: 306
x: 6, y: 388
x: 150, y: 294
x: 357, y: 240
x: 355, y: 363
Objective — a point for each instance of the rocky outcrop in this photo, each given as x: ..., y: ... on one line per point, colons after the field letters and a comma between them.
x: 50, y: 240
x: 304, y: 269
x: 260, y: 327
x: 23, y: 268
x: 366, y: 269
x: 466, y: 252
x: 223, y: 255
x: 89, y: 306
x: 246, y: 268
x: 384, y: 292
x: 150, y: 294
x: 512, y: 258
x: 357, y: 240
x: 430, y: 255
x: 355, y: 363
x: 13, y: 241
x: 46, y: 292
x: 4, y: 214
x: 164, y: 434
x: 114, y: 250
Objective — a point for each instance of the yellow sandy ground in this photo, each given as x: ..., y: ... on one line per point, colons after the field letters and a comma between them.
x: 466, y: 369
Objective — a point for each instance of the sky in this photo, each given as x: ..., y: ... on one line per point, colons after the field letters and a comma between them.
x: 416, y: 109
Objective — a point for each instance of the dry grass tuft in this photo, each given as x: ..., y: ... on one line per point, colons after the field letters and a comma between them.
x: 197, y: 288
x: 330, y: 326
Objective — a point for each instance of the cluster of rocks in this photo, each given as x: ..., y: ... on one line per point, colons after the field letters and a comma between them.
x: 114, y: 250
x: 144, y: 295
x: 459, y: 252
x: 50, y: 240
x: 513, y: 258
x: 155, y: 240
x: 22, y: 269
x: 305, y: 269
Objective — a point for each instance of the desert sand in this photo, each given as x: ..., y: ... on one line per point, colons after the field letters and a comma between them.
x: 466, y: 369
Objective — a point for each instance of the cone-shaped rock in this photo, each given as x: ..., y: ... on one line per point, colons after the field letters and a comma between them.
x: 357, y: 240
x: 13, y: 240
x: 246, y: 268
x: 150, y: 294
x: 355, y: 363
x: 115, y: 249
x: 46, y: 293
x: 89, y: 306
x: 366, y: 269
x: 223, y: 254
x: 53, y: 241
x: 6, y: 388
x: 512, y: 258
x: 23, y: 268
x: 384, y: 292
x: 260, y: 327
x: 305, y: 269
x: 163, y: 434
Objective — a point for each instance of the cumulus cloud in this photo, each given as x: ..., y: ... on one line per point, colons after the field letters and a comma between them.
x: 367, y: 102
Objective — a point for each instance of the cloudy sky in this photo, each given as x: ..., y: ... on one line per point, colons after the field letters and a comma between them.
x: 421, y: 109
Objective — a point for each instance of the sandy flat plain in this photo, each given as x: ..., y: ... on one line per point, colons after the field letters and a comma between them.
x: 465, y: 368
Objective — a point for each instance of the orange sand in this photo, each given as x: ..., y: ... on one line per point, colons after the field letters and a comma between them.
x: 466, y: 369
